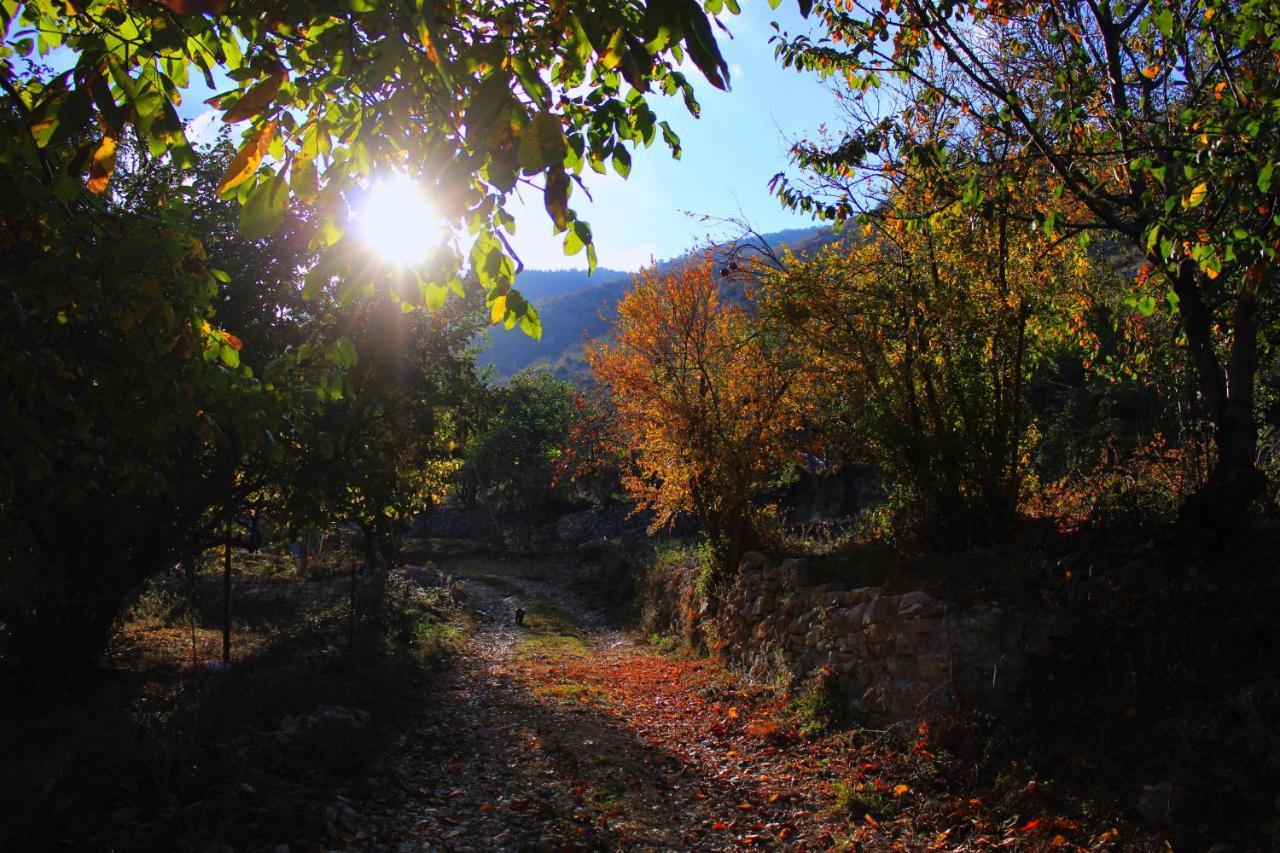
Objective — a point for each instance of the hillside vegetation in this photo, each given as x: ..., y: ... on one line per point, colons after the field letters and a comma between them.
x: 576, y: 309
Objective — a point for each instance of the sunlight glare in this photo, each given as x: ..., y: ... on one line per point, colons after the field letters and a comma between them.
x: 397, y: 221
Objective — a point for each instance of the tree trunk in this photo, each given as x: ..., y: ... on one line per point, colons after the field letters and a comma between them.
x: 1235, y: 482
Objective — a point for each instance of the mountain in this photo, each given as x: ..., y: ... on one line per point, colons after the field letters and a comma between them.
x: 575, y: 309
x: 541, y: 284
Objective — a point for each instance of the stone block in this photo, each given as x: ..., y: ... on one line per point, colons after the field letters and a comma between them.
x: 921, y: 626
x: 838, y: 599
x: 880, y: 610
x: 934, y: 668
x: 900, y: 666
x: 919, y: 605
x: 908, y: 697
x: 864, y: 594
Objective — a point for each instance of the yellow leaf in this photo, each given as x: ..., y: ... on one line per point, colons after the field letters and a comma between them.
x: 246, y: 161
x: 900, y: 790
x: 498, y: 309
x: 104, y: 163
x: 1196, y: 197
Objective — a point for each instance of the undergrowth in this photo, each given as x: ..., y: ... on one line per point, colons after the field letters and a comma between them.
x: 166, y: 753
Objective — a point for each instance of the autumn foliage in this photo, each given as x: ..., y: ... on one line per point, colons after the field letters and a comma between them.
x: 701, y: 403
x: 919, y: 337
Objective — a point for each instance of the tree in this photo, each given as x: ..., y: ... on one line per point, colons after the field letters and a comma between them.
x: 919, y: 339
x: 1153, y: 122
x: 382, y: 448
x: 512, y: 458
x: 130, y: 415
x: 113, y: 359
x: 702, y: 404
x: 472, y: 98
x: 592, y: 460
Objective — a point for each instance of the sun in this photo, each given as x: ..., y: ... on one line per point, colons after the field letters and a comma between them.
x: 397, y: 220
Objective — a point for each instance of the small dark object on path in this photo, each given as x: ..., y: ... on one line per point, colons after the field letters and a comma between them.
x: 519, y: 615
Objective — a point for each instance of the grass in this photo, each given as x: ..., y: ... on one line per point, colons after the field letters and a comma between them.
x: 815, y: 708
x: 863, y: 799
x: 574, y: 691
x: 549, y: 632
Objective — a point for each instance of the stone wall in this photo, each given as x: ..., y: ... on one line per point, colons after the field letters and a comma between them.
x: 893, y: 656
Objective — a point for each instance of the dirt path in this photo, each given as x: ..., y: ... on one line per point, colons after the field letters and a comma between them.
x: 565, y: 734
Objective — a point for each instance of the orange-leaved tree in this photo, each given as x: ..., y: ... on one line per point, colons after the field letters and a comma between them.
x: 702, y: 403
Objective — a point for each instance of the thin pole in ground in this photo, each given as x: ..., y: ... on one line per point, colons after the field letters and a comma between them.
x: 226, y: 594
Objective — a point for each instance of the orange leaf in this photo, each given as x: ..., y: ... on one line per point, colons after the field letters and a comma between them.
x: 255, y: 101
x: 900, y: 790
x: 247, y: 159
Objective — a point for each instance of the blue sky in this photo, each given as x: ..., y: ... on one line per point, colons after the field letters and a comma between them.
x: 729, y: 155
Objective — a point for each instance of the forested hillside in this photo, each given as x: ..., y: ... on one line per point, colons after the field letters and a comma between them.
x: 576, y: 309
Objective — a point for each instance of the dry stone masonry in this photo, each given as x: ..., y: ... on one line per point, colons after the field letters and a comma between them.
x: 894, y: 656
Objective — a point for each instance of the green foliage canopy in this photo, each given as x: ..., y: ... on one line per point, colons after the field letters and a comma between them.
x: 473, y: 98
x: 1156, y: 122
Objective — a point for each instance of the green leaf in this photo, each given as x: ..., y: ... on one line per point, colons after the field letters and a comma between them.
x: 229, y: 356
x: 1264, y: 177
x: 530, y: 324
x: 1146, y: 305
x: 264, y: 209
x: 577, y: 238
x: 436, y: 296
x: 622, y: 161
